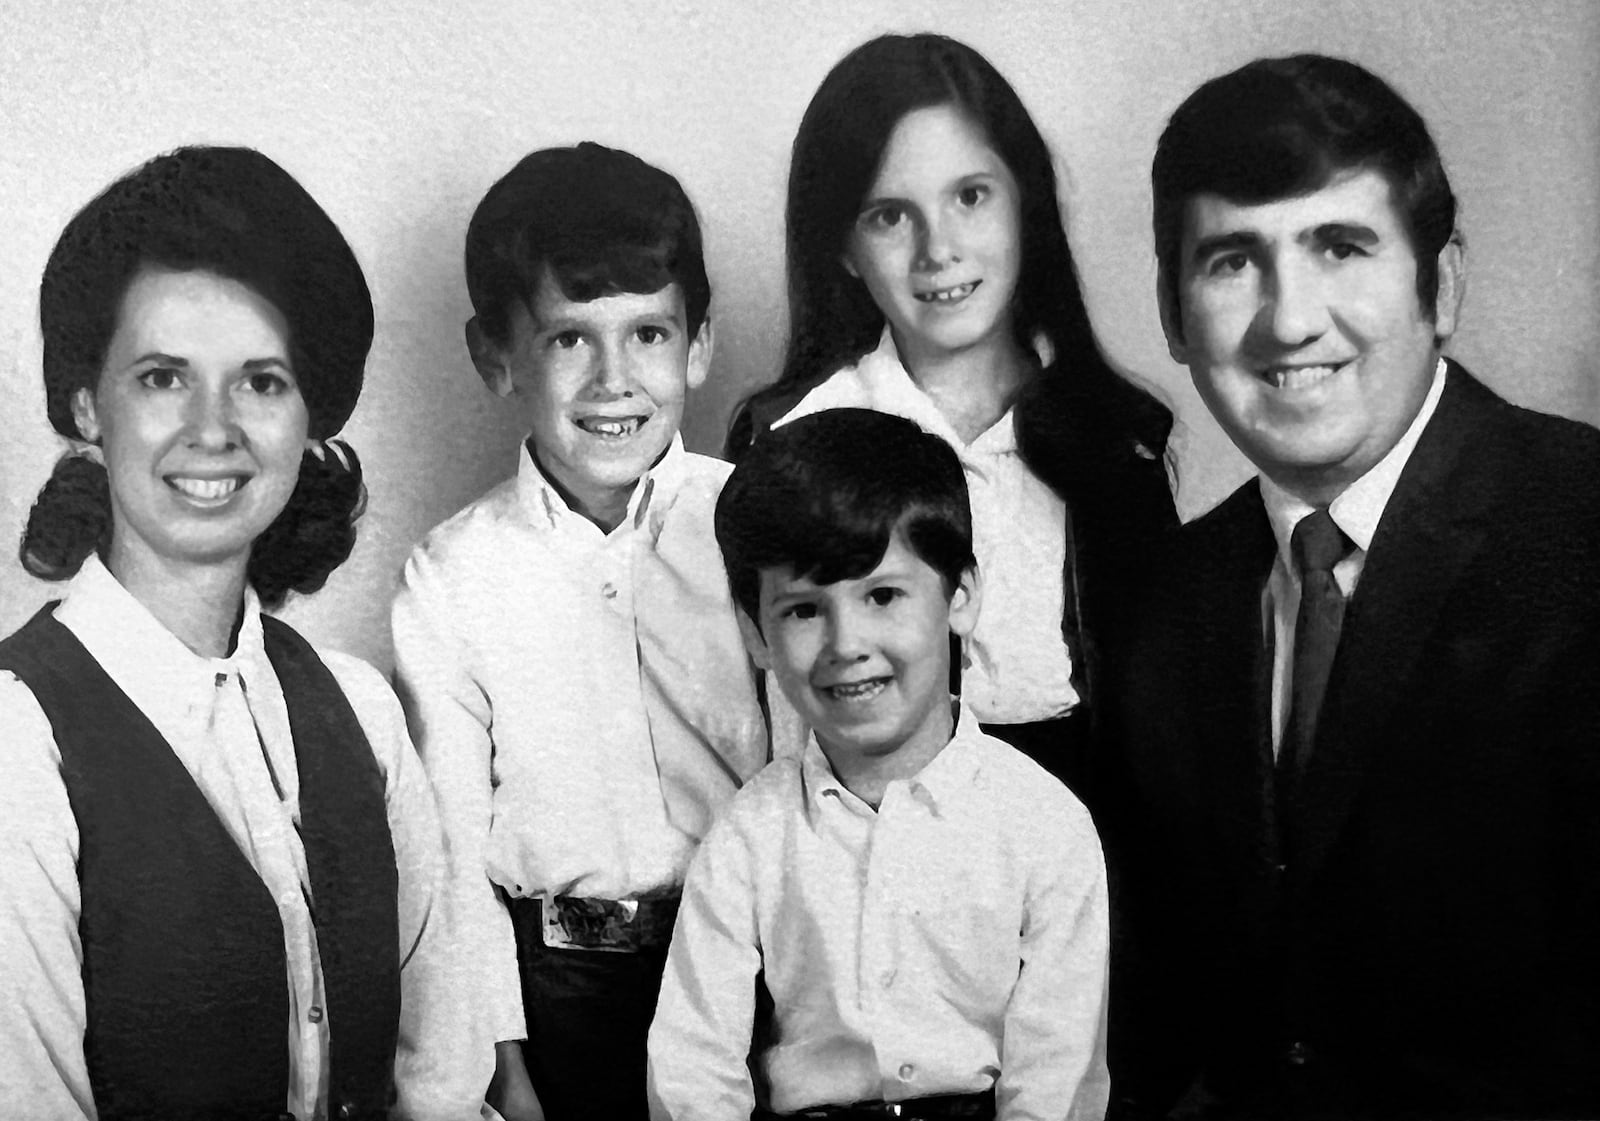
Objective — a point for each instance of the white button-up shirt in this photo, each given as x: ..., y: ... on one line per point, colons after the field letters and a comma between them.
x: 583, y: 701
x: 1018, y: 666
x: 1356, y: 512
x: 227, y: 722
x: 953, y: 939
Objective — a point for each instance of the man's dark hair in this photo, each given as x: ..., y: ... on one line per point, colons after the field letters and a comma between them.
x: 602, y: 221
x: 825, y: 494
x: 1280, y: 127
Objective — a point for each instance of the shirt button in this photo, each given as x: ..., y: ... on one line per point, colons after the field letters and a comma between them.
x: 887, y: 978
x: 315, y: 1015
x: 906, y: 1071
x: 609, y: 591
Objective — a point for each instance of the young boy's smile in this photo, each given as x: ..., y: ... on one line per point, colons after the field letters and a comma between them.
x: 866, y: 661
x: 602, y: 385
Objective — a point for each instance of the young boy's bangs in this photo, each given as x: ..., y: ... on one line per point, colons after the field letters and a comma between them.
x: 598, y: 221
x: 603, y: 268
x: 825, y: 494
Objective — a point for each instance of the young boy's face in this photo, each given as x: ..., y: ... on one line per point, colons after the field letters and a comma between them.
x: 601, y: 385
x: 866, y: 662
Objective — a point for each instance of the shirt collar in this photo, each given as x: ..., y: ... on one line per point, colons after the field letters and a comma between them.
x: 149, y: 663
x: 547, y: 509
x: 944, y: 777
x: 1359, y: 507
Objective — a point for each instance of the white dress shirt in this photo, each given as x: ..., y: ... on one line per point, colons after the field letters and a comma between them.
x: 227, y: 722
x: 952, y: 940
x: 1018, y: 667
x: 583, y: 701
x: 1356, y: 511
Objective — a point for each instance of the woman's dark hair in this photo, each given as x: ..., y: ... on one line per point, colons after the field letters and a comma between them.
x: 833, y: 320
x: 235, y: 213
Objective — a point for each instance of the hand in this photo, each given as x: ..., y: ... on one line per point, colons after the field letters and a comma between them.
x: 511, y: 1090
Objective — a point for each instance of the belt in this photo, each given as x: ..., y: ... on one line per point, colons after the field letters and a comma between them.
x: 940, y: 1107
x: 623, y: 926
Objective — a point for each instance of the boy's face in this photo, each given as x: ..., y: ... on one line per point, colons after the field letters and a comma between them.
x: 601, y: 385
x: 866, y: 662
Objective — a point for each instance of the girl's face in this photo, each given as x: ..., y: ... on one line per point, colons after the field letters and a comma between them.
x: 199, y: 417
x: 938, y: 240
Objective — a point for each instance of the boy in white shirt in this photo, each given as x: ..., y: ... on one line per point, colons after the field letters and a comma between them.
x: 566, y: 645
x: 909, y: 920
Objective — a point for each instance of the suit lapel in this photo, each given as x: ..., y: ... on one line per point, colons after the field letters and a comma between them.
x: 1232, y: 667
x: 1430, y: 531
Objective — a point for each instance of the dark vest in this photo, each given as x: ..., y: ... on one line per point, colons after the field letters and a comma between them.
x: 183, y: 958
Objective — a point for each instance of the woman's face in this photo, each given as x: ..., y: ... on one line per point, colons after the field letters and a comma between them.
x: 938, y: 241
x: 199, y: 417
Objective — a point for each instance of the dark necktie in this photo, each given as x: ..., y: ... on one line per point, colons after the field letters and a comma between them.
x: 1317, y: 545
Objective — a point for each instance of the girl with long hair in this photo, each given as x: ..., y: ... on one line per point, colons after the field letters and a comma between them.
x: 929, y: 276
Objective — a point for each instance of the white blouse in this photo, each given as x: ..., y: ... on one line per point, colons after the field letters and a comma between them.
x: 1018, y: 668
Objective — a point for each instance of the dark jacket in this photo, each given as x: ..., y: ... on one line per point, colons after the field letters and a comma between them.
x: 1422, y: 941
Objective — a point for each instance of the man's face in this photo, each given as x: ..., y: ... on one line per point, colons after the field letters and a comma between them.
x: 1300, y: 323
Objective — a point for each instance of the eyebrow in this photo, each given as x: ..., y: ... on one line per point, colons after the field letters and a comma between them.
x: 158, y: 356
x: 1343, y: 231
x: 183, y: 363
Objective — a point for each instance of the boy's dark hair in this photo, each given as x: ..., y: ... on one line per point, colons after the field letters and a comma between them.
x: 602, y: 221
x: 236, y: 213
x: 825, y: 494
x: 1280, y: 127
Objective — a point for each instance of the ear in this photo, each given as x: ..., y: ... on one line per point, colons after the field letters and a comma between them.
x: 700, y: 354
x: 1171, y: 319
x: 490, y: 360
x: 1451, y: 288
x: 754, y: 641
x: 84, y: 415
x: 965, y: 602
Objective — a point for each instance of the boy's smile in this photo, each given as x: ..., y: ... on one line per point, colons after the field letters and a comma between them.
x: 866, y: 661
x: 602, y: 385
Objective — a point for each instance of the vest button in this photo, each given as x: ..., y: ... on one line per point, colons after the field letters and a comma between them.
x: 1297, y: 1054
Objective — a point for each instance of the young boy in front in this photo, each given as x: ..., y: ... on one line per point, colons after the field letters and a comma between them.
x: 922, y: 908
x: 566, y: 644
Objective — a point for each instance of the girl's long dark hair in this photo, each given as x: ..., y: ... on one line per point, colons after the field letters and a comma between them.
x: 1081, y: 412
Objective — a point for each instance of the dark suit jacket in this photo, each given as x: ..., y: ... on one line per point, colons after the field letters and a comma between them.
x: 1425, y: 940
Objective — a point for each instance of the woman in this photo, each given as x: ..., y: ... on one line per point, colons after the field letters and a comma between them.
x: 930, y: 276
x: 217, y: 849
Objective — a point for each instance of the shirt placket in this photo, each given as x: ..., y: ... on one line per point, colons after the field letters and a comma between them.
x: 268, y: 822
x: 884, y: 966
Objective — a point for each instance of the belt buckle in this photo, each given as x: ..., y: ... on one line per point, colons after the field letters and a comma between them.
x: 590, y: 924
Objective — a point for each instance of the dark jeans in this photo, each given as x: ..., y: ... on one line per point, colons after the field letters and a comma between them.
x: 588, y: 1015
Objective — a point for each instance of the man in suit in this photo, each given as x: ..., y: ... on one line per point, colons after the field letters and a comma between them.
x: 1355, y: 829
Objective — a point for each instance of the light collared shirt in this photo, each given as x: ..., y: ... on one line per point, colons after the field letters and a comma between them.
x: 1357, y: 512
x: 1018, y: 666
x: 953, y: 940
x: 582, y: 700
x: 227, y: 722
